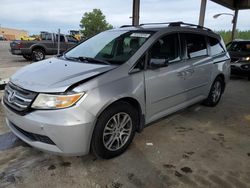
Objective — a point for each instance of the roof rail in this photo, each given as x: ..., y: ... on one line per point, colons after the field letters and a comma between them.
x: 126, y: 26
x: 177, y: 24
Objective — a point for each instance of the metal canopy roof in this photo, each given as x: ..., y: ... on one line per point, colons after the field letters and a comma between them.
x: 234, y: 4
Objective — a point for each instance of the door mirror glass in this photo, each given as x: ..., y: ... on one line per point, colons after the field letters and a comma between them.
x: 158, y: 63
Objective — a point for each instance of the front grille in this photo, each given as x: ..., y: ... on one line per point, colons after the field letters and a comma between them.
x: 18, y: 99
x: 33, y: 136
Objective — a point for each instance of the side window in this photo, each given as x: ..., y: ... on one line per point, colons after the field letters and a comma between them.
x: 62, y: 39
x: 166, y: 49
x: 215, y: 46
x: 46, y: 36
x: 196, y: 45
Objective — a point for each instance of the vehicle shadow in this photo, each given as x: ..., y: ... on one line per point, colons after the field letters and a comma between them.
x: 235, y: 77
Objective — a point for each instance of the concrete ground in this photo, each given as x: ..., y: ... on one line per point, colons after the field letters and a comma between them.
x: 196, y: 147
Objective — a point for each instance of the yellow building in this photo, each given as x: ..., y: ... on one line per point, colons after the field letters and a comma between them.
x: 12, y: 34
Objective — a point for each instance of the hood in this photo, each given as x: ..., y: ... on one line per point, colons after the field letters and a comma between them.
x: 56, y: 75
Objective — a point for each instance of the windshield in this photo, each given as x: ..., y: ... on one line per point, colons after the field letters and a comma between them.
x: 114, y: 47
x: 239, y: 47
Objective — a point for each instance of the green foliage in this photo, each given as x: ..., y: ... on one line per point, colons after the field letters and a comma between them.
x: 94, y: 22
x: 226, y: 35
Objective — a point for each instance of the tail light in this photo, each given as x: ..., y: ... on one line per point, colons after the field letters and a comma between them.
x: 20, y: 45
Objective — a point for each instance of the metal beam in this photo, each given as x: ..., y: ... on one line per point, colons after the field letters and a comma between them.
x: 136, y: 12
x: 202, y: 12
x: 234, y: 4
x: 58, y: 42
x: 234, y: 24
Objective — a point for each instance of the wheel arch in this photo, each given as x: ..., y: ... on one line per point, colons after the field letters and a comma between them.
x: 223, y: 79
x: 133, y: 102
x: 39, y: 47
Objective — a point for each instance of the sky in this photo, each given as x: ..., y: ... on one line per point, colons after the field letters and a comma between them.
x: 49, y: 15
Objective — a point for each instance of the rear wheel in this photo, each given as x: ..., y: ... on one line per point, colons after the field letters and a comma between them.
x: 114, y: 131
x: 215, y: 93
x: 27, y: 57
x: 38, y: 54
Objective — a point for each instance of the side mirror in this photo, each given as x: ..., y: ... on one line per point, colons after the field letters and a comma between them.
x: 159, y: 63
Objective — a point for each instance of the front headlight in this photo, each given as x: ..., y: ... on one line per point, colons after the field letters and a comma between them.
x: 245, y: 59
x: 50, y: 101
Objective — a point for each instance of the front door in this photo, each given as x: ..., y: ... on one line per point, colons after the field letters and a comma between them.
x: 165, y: 85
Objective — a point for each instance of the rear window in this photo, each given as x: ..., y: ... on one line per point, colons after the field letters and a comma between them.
x: 215, y: 46
x: 196, y: 45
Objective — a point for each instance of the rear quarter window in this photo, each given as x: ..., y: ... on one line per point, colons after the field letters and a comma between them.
x: 215, y: 46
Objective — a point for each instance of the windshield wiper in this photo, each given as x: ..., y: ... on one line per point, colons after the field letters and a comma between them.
x: 95, y: 60
x: 88, y: 59
x: 70, y: 58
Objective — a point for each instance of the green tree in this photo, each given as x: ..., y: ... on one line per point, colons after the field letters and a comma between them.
x: 226, y: 35
x: 94, y: 22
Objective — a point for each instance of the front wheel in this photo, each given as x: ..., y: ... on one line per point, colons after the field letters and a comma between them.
x: 114, y: 131
x: 215, y: 93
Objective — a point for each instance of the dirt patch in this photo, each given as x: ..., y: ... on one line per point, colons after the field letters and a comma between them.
x: 186, y: 170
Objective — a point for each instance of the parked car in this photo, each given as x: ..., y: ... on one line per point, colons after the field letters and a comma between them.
x: 37, y: 49
x: 2, y: 38
x: 239, y: 51
x: 99, y: 93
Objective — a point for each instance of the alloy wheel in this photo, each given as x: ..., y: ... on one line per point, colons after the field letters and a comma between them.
x: 117, y: 131
x: 216, y: 93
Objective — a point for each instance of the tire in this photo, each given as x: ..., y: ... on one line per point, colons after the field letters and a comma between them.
x: 215, y: 93
x: 38, y: 54
x: 114, y: 143
x: 27, y: 57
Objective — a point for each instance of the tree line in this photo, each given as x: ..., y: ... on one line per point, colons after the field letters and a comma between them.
x: 226, y: 35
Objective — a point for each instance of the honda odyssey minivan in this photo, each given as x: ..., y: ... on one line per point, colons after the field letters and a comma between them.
x: 97, y: 95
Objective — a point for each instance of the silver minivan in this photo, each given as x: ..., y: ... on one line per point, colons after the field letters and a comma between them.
x: 98, y: 94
